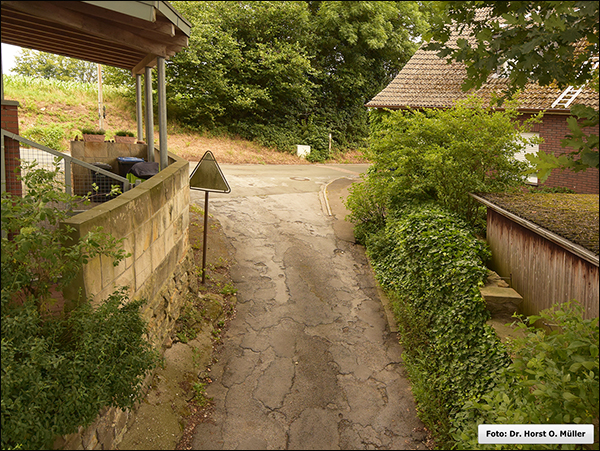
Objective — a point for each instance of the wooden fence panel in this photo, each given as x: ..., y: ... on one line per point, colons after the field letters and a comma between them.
x: 543, y: 272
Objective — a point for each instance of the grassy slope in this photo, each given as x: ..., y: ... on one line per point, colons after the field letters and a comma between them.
x: 71, y: 106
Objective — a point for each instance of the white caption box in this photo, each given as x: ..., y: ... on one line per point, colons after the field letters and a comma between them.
x: 536, y: 433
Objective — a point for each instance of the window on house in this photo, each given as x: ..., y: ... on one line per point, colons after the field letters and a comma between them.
x: 502, y: 71
x: 530, y: 148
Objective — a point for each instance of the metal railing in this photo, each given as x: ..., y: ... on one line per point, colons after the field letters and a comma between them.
x: 78, y: 176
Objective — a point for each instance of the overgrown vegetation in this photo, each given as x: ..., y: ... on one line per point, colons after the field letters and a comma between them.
x: 431, y: 264
x: 277, y: 73
x: 438, y: 156
x: 288, y: 73
x: 60, y: 365
x: 420, y: 227
x: 58, y: 110
x: 553, y: 379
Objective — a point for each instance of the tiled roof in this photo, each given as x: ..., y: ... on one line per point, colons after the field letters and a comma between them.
x: 427, y: 81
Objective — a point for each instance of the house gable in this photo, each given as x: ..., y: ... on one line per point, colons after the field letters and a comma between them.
x: 428, y: 81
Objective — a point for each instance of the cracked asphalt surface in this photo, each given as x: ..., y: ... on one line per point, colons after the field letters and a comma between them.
x: 309, y: 361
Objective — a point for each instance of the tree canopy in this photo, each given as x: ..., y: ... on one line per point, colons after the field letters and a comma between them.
x: 48, y: 65
x: 290, y: 72
x: 553, y: 43
x: 283, y: 73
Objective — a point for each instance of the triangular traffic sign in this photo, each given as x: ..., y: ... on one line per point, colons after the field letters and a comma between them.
x: 207, y: 176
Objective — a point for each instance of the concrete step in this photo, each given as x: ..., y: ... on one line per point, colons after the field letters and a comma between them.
x: 500, y: 298
x: 500, y: 295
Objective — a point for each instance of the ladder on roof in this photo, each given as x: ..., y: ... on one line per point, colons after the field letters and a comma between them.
x: 569, y: 94
x: 566, y: 97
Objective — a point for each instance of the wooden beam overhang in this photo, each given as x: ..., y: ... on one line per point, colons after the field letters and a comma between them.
x: 120, y: 34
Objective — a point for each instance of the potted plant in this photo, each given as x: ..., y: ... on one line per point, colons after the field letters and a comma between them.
x: 124, y: 136
x: 93, y: 135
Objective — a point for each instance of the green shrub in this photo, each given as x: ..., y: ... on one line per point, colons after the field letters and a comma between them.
x: 60, y: 369
x: 93, y: 131
x: 443, y: 155
x: 124, y: 133
x: 431, y: 265
x: 37, y: 252
x: 58, y: 373
x: 50, y: 136
x: 553, y: 379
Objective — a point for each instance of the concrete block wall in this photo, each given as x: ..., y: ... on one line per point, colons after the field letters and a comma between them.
x: 153, y: 220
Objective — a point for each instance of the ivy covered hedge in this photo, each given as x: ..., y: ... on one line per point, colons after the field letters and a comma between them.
x: 431, y: 264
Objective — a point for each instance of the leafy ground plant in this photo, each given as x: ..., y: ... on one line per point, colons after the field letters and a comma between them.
x: 553, y: 378
x: 60, y: 367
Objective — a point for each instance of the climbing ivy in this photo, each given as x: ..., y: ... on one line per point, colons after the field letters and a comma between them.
x: 431, y: 264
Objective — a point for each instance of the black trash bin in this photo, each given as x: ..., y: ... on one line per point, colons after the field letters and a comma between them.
x: 126, y: 163
x: 144, y: 170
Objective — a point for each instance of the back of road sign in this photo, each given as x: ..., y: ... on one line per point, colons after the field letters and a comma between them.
x: 207, y: 176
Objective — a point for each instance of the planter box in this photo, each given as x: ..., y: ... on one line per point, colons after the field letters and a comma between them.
x: 93, y: 138
x: 125, y: 139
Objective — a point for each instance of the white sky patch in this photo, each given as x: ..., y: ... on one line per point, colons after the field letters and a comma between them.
x: 9, y: 52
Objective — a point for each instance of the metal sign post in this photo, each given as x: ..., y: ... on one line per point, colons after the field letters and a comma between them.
x: 207, y: 177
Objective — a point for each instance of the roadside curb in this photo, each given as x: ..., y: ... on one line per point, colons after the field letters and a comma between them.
x: 385, y: 301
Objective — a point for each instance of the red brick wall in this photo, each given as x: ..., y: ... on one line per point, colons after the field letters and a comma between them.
x: 553, y: 129
x: 10, y: 122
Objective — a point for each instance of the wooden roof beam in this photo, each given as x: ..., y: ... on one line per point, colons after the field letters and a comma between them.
x: 73, y: 19
x: 161, y: 25
x: 47, y: 34
x: 148, y: 61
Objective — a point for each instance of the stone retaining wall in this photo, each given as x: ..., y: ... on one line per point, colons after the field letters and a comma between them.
x: 152, y: 219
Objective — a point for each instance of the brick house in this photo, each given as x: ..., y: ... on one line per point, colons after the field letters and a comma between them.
x: 427, y: 81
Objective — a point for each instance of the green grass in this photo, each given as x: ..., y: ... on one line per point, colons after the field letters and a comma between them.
x: 69, y: 106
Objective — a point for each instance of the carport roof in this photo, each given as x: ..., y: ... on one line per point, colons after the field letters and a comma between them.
x: 129, y: 35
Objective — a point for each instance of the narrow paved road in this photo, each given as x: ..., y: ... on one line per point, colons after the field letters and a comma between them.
x: 309, y: 361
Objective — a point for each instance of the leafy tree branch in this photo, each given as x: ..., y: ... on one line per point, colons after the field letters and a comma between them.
x: 549, y: 43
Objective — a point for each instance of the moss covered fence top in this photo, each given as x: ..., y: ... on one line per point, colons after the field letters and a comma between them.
x: 571, y: 216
